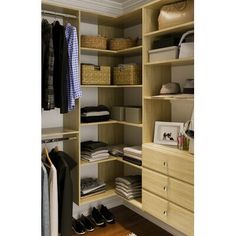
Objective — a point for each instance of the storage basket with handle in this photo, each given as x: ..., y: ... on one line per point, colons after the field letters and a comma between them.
x: 93, y: 41
x: 92, y: 74
x: 186, y: 49
x: 175, y: 14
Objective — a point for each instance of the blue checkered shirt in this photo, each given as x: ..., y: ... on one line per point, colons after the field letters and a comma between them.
x: 74, y: 90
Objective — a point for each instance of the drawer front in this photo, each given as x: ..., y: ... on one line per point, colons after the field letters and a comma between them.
x: 154, y: 160
x: 174, y: 190
x: 177, y: 217
x: 171, y: 164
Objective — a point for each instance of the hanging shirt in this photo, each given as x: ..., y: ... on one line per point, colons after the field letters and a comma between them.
x: 53, y: 196
x: 47, y: 67
x: 45, y: 221
x: 74, y: 90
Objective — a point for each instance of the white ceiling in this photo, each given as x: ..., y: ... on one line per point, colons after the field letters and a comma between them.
x: 119, y: 1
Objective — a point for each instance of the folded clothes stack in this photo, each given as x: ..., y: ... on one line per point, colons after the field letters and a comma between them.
x: 94, y: 151
x: 129, y: 187
x: 91, y: 186
x: 95, y: 114
x: 117, y: 150
x: 133, y: 154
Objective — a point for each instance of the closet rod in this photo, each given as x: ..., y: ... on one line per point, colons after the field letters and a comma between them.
x: 53, y: 140
x: 58, y: 14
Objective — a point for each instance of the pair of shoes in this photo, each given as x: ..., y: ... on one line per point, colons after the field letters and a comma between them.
x: 102, y: 217
x: 78, y: 227
x: 82, y: 224
x: 107, y: 215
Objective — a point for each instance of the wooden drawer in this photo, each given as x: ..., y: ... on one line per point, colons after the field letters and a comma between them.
x: 177, y: 217
x: 172, y: 163
x: 174, y: 190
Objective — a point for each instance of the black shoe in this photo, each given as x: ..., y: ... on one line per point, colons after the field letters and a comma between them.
x: 87, y: 223
x: 97, y: 217
x: 107, y: 215
x: 77, y: 227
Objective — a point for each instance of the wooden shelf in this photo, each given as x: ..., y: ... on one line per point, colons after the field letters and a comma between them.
x: 128, y: 163
x: 130, y: 124
x: 174, y: 97
x: 112, y: 122
x: 85, y: 163
x: 137, y: 202
x: 174, y: 29
x: 110, y: 191
x: 57, y: 131
x: 104, y: 52
x: 99, y: 123
x: 130, y: 51
x: 174, y: 62
x: 112, y: 86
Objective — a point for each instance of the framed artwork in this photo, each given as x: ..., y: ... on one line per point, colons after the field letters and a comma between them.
x: 167, y: 132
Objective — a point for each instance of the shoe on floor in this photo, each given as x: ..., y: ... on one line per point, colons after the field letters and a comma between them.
x: 87, y: 223
x: 108, y: 216
x: 97, y: 217
x: 78, y: 227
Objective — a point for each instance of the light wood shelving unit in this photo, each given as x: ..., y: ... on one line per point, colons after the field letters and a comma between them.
x: 153, y: 108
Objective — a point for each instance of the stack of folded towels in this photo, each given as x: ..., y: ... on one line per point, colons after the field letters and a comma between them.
x: 129, y: 187
x: 133, y: 154
x: 95, y: 114
x: 94, y: 151
x: 92, y: 186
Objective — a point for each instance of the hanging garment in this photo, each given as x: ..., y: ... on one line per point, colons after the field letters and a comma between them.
x: 53, y: 196
x: 45, y: 221
x: 74, y: 90
x: 64, y: 164
x: 47, y: 67
x: 60, y: 67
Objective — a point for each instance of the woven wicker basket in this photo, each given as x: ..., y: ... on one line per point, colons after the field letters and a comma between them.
x: 91, y: 41
x: 121, y: 43
x: 127, y: 74
x: 92, y: 74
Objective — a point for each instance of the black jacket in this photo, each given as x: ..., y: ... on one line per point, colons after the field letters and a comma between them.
x: 60, y: 81
x: 64, y: 164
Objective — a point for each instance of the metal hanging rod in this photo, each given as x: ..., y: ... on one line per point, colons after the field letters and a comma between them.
x: 58, y: 14
x: 53, y: 140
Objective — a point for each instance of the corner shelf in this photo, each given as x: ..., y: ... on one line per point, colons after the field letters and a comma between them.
x: 86, y: 163
x: 174, y: 29
x: 57, y: 131
x: 112, y: 122
x: 128, y: 163
x: 174, y: 62
x: 112, y: 86
x: 137, y: 202
x: 110, y: 191
x: 104, y: 52
x: 174, y: 97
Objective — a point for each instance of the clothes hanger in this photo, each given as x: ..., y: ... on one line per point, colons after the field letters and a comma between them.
x: 45, y: 151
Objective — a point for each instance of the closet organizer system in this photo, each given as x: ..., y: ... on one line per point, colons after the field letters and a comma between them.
x: 167, y: 173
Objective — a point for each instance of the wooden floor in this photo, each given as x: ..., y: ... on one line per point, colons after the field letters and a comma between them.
x: 128, y: 222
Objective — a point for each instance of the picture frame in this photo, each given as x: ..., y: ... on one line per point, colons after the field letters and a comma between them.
x: 167, y: 132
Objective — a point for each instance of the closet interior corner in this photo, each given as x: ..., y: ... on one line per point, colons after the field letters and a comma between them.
x: 166, y: 173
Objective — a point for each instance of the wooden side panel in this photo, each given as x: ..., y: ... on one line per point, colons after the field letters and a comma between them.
x: 108, y: 171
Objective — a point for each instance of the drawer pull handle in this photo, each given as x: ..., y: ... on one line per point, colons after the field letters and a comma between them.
x: 165, y: 188
x: 164, y: 163
x: 165, y: 213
